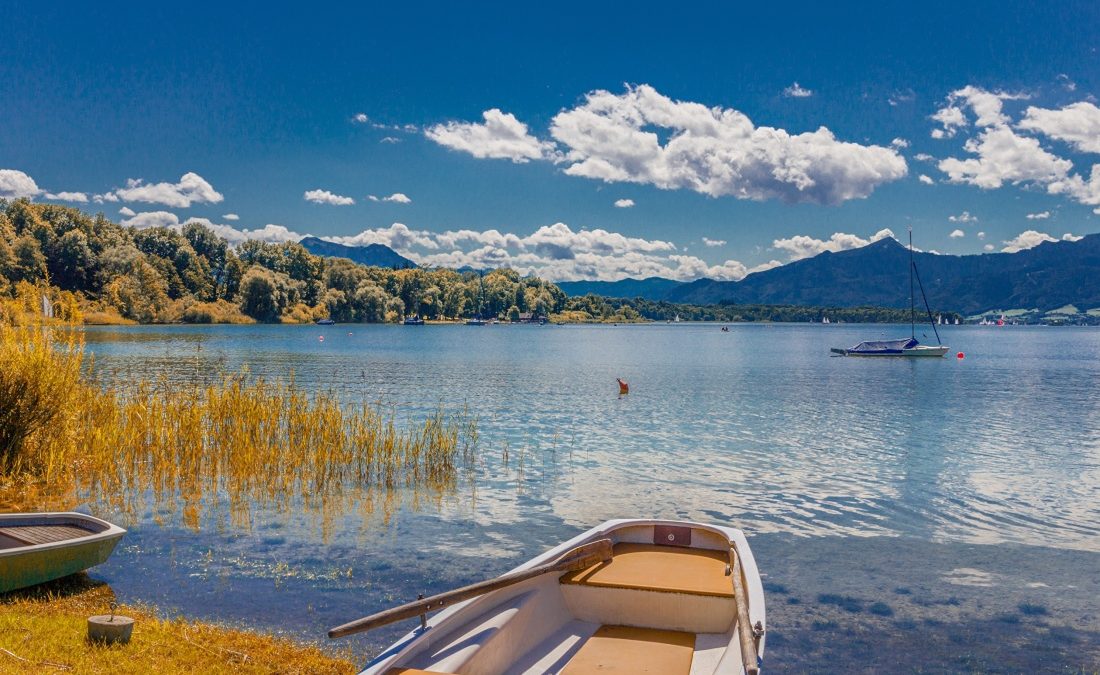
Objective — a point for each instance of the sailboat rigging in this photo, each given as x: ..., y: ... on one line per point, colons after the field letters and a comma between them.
x: 903, y: 347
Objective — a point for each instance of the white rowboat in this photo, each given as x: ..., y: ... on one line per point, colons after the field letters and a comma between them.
x: 661, y: 597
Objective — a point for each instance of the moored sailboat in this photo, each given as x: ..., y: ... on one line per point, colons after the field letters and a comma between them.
x: 903, y: 346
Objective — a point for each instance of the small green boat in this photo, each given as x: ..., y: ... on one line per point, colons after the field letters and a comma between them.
x: 40, y: 547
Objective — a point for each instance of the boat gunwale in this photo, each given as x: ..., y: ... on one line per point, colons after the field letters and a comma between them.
x: 412, y: 640
x: 110, y: 531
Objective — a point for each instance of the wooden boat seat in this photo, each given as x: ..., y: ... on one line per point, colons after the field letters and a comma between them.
x: 43, y: 534
x: 622, y: 649
x: 668, y: 569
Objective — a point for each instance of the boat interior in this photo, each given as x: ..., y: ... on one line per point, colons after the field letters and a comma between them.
x: 31, y: 530
x: 663, y: 604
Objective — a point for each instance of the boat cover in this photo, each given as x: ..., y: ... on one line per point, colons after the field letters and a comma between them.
x: 885, y: 346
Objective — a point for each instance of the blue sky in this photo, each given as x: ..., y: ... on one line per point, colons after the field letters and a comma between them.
x: 509, y: 132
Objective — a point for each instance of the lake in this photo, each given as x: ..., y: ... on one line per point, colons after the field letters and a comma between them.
x: 936, y: 514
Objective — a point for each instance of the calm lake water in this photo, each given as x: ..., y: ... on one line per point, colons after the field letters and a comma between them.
x: 933, y: 514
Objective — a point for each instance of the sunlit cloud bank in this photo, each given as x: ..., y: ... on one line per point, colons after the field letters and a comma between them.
x: 617, y: 138
x: 1002, y: 151
x: 556, y: 252
x: 803, y: 246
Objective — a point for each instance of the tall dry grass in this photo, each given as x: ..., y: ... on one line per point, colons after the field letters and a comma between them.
x: 242, y: 442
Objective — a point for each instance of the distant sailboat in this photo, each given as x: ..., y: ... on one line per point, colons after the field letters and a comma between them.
x: 905, y: 346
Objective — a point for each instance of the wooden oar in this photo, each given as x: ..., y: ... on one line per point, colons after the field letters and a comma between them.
x: 577, y: 558
x: 744, y: 628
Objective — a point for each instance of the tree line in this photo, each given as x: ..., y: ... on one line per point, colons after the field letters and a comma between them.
x: 114, y: 273
x: 190, y: 274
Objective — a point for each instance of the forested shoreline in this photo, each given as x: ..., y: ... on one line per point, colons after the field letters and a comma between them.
x: 98, y: 271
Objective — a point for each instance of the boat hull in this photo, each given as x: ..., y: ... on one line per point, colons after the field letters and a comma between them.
x: 519, y: 629
x: 28, y: 565
x: 919, y: 352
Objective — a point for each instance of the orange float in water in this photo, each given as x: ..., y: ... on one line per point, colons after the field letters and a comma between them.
x: 960, y: 356
x: 321, y: 338
x: 624, y: 388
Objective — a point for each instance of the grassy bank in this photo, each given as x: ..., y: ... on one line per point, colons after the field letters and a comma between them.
x: 43, y: 629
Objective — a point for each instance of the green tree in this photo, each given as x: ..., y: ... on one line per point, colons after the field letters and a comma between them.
x: 30, y: 264
x: 74, y: 262
x: 259, y: 295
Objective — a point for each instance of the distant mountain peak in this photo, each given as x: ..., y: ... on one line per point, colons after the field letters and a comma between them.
x: 373, y: 255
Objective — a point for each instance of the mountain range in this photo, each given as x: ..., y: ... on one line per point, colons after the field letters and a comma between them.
x: 374, y: 255
x: 1048, y: 276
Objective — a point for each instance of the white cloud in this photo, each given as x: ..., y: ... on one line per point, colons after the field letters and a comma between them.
x: 797, y: 91
x: 555, y: 252
x: 390, y: 139
x: 105, y: 197
x: 1004, y: 157
x: 148, y: 219
x: 981, y: 235
x: 713, y: 242
x: 326, y: 197
x: 231, y: 216
x: 271, y: 233
x: 957, y: 234
x: 899, y: 143
x: 1042, y: 215
x: 925, y: 179
x: 1025, y: 240
x: 714, y: 151
x: 360, y: 118
x: 126, y: 211
x: 803, y: 246
x: 1031, y: 238
x: 952, y: 118
x: 988, y: 247
x: 963, y: 217
x: 1066, y: 82
x: 15, y: 184
x: 191, y: 189
x: 501, y: 136
x: 77, y: 197
x: 923, y: 157
x: 397, y: 236
x: 624, y: 203
x: 397, y: 197
x: 1077, y: 124
x: 902, y: 96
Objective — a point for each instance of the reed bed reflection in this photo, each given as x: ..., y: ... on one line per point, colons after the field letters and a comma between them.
x: 241, y: 443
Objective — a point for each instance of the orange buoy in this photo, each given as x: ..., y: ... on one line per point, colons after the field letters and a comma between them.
x: 321, y: 338
x: 624, y: 388
x: 960, y: 356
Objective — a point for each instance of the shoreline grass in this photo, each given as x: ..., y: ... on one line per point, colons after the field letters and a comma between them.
x: 44, y: 628
x: 64, y: 439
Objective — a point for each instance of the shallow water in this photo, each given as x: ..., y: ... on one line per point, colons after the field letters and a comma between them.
x: 936, y: 514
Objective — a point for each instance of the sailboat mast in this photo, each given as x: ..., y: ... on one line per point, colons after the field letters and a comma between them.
x: 912, y: 308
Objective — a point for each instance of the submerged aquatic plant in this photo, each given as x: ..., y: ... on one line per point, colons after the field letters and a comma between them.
x: 241, y: 441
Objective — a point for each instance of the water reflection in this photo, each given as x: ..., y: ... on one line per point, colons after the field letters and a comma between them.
x: 835, y: 459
